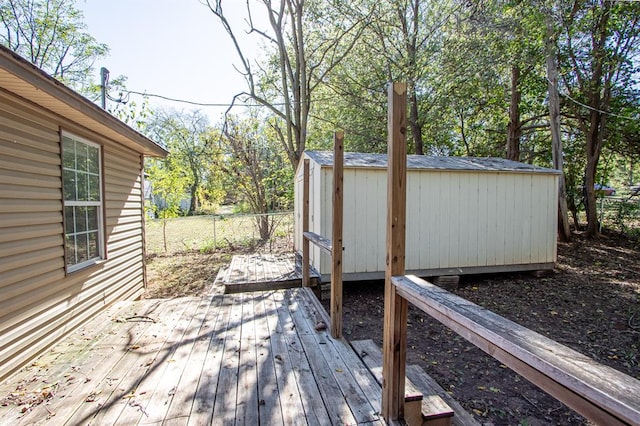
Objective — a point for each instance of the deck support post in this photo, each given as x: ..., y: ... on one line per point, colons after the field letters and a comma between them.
x: 336, y: 238
x: 306, y: 281
x: 394, y: 344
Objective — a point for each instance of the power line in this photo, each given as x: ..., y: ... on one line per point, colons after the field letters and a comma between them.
x: 205, y: 104
x: 184, y: 101
x: 577, y: 102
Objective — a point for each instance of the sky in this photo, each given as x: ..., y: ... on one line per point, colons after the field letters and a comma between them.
x: 173, y: 48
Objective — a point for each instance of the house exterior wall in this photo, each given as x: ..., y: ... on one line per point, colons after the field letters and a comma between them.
x: 457, y: 221
x: 39, y: 301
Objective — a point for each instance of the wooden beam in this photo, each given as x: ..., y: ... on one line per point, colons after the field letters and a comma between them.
x: 394, y: 344
x: 599, y: 393
x: 306, y: 282
x: 336, y: 238
x: 318, y: 240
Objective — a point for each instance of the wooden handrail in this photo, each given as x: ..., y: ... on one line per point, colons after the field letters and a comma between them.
x: 318, y: 240
x: 599, y: 393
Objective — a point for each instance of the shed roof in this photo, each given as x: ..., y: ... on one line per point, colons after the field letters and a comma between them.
x: 422, y: 162
x: 19, y: 76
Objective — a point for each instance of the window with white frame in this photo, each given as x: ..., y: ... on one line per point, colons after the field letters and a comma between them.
x: 82, y: 193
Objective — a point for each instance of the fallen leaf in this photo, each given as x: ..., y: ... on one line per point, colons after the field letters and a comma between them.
x: 320, y: 325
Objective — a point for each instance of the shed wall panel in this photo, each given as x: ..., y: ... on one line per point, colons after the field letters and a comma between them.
x: 455, y: 219
x: 39, y: 301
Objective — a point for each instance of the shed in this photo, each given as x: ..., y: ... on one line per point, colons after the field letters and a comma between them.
x: 464, y: 215
x: 71, y: 210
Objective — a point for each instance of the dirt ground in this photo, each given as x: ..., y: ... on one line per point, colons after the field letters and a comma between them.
x: 590, y: 303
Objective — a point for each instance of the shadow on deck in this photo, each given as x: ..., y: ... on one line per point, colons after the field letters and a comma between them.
x: 259, y: 272
x: 253, y: 358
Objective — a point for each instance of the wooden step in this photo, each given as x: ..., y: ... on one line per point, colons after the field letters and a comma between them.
x: 438, y: 407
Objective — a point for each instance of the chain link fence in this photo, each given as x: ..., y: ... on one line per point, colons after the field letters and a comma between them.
x: 620, y: 214
x: 270, y: 233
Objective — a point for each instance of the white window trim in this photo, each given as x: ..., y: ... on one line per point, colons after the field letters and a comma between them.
x: 99, y: 204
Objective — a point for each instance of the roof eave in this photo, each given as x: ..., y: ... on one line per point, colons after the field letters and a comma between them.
x: 28, y: 81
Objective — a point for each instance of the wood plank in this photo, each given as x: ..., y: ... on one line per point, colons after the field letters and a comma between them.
x: 183, y: 399
x: 224, y: 409
x: 336, y: 237
x: 600, y: 393
x: 205, y: 394
x: 81, y: 402
x: 436, y: 403
x: 46, y: 366
x: 394, y: 344
x: 356, y: 398
x: 358, y: 369
x: 124, y: 378
x: 177, y: 364
x: 269, y: 407
x: 145, y: 401
x: 314, y: 408
x: 290, y: 401
x: 247, y: 407
x: 318, y: 240
x: 423, y: 382
x: 68, y: 358
x: 338, y: 412
x: 267, y: 272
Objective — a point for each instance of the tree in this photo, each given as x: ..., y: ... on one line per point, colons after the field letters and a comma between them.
x: 190, y: 140
x: 402, y: 42
x: 309, y: 39
x: 168, y: 186
x: 255, y: 166
x: 52, y: 35
x: 597, y: 51
x: 564, y: 230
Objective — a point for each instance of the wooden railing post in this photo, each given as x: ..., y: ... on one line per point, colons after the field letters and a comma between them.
x: 395, y: 307
x: 306, y: 282
x: 336, y: 238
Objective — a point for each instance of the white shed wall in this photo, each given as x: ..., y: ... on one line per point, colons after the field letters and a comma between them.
x: 455, y: 219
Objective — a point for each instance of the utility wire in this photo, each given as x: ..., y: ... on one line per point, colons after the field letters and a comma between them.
x: 184, y: 101
x: 577, y: 102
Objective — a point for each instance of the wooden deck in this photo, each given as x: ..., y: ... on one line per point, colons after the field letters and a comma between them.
x: 253, y: 358
x: 258, y: 272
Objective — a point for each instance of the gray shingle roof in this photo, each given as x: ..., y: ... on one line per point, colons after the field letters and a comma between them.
x: 422, y: 162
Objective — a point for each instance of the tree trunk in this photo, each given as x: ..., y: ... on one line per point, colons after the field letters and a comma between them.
x: 564, y: 231
x: 193, y: 202
x: 515, y: 127
x: 590, y: 197
x: 416, y: 127
x: 264, y: 227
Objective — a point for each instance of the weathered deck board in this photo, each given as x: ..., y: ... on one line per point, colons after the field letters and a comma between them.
x: 252, y: 358
x: 261, y: 272
x: 246, y: 414
x: 372, y: 357
x: 182, y: 401
x: 205, y: 394
x: 77, y: 397
x: 268, y: 399
x: 134, y: 393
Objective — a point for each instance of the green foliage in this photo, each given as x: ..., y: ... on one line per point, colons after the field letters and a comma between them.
x: 53, y: 36
x: 191, y: 142
x: 168, y: 185
x: 255, y: 169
